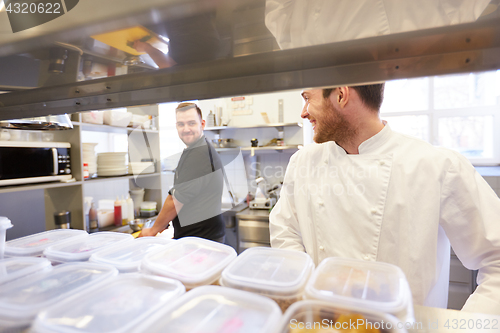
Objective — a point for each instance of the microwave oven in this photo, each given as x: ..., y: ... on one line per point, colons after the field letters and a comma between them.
x: 25, y: 162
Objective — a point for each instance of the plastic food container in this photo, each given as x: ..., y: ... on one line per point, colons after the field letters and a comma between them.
x: 213, y: 309
x: 14, y: 268
x: 4, y: 225
x: 191, y: 260
x: 34, y: 245
x: 21, y: 300
x: 112, y: 307
x: 148, y: 208
x: 302, y: 316
x: 360, y: 284
x: 279, y: 274
x: 126, y: 257
x: 117, y: 118
x: 82, y: 248
x: 93, y: 117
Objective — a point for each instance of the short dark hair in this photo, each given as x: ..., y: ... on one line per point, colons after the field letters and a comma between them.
x: 371, y: 95
x: 188, y: 106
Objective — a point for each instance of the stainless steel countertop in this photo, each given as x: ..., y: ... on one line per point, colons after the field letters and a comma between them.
x: 435, y: 320
x: 254, y: 214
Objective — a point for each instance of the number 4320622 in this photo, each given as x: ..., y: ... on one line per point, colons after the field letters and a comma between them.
x: 32, y: 8
x: 472, y: 324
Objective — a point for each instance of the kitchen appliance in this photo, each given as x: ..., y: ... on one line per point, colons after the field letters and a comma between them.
x: 262, y: 203
x: 34, y: 162
x: 62, y: 220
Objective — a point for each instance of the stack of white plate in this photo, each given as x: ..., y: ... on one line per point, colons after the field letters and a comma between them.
x: 138, y: 168
x: 90, y: 157
x: 112, y: 164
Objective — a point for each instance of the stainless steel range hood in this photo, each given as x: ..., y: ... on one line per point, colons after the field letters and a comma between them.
x: 247, y: 60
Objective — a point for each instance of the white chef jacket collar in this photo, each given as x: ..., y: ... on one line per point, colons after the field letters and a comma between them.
x: 370, y: 145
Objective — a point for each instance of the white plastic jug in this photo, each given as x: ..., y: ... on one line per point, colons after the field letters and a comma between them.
x: 4, y: 225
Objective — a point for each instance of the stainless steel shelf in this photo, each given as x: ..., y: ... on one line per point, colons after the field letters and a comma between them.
x: 108, y: 128
x: 104, y: 179
x: 260, y: 149
x: 276, y: 125
x: 39, y: 186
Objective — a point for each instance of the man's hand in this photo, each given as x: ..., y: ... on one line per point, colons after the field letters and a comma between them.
x: 147, y: 232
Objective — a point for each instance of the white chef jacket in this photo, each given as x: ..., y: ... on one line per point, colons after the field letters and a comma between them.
x: 298, y: 23
x: 398, y: 201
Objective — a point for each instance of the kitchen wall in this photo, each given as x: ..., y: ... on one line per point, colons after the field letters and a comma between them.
x: 239, y: 112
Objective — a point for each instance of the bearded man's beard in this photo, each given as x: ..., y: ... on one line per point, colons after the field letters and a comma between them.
x: 333, y: 126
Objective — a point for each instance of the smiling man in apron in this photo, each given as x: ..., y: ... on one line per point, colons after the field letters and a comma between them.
x: 194, y: 203
x: 369, y: 193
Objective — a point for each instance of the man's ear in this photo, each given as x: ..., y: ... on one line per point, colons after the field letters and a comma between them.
x: 343, y: 96
x: 202, y: 124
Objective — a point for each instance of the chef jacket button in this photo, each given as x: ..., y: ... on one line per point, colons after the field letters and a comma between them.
x: 366, y: 257
x: 321, y: 248
x: 321, y: 203
x: 325, y: 161
x: 373, y: 211
x: 382, y: 162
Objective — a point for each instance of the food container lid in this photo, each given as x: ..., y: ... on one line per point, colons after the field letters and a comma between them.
x: 330, y: 318
x: 21, y: 300
x: 193, y: 261
x: 214, y: 309
x: 266, y: 270
x: 5, y: 223
x: 34, y: 245
x: 82, y: 248
x: 116, y: 306
x: 14, y: 268
x: 352, y: 282
x: 126, y: 257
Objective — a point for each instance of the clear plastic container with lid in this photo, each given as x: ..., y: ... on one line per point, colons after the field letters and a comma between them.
x: 360, y: 284
x: 191, y: 260
x: 4, y: 225
x: 82, y: 248
x: 34, y: 245
x: 126, y: 257
x: 23, y: 299
x: 318, y: 316
x: 214, y: 309
x: 125, y: 301
x: 275, y: 273
x: 14, y: 268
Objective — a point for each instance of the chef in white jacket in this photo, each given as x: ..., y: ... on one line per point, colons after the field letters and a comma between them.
x: 369, y: 193
x: 298, y: 23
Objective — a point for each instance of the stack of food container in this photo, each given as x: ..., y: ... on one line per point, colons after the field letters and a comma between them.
x: 278, y: 274
x: 82, y: 248
x: 117, y: 306
x: 357, y: 284
x: 34, y: 245
x: 191, y: 260
x: 89, y: 157
x: 23, y: 299
x: 213, y: 309
x: 127, y: 257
